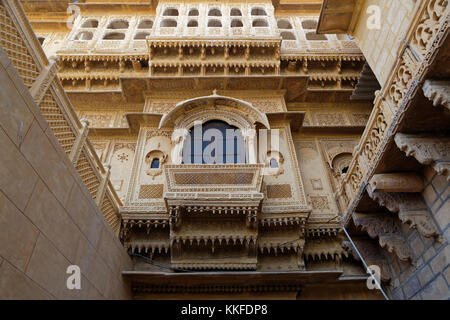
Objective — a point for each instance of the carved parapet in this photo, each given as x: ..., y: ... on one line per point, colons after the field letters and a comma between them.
x: 396, y: 182
x: 411, y: 209
x: 428, y: 150
x: 371, y: 254
x: 388, y: 232
x: 438, y: 92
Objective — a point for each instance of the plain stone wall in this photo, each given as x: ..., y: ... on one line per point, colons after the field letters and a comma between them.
x: 429, y: 278
x: 48, y: 219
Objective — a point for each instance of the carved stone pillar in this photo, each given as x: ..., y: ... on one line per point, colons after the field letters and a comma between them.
x: 103, y: 186
x: 387, y: 230
x: 178, y: 139
x: 249, y: 136
x: 438, y: 92
x: 44, y: 80
x: 79, y: 142
x: 428, y: 150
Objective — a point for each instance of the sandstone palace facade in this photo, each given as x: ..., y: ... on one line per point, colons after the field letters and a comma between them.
x: 342, y: 108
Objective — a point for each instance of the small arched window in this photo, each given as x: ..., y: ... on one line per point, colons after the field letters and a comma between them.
x: 114, y: 36
x: 214, y: 23
x: 214, y: 13
x: 192, y: 24
x: 168, y: 23
x: 193, y: 13
x: 340, y: 164
x: 90, y: 23
x: 170, y: 12
x: 155, y: 164
x: 141, y: 35
x: 236, y: 23
x: 118, y: 24
x: 145, y: 24
x: 259, y: 23
x: 235, y: 12
x: 258, y: 12
x: 274, y: 163
x: 284, y: 24
x: 84, y: 36
x: 287, y: 35
x: 309, y: 24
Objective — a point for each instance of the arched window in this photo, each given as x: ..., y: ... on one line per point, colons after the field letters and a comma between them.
x: 274, y: 163
x: 193, y: 13
x: 145, y: 24
x: 170, y: 12
x: 214, y: 23
x: 258, y: 12
x: 341, y: 164
x: 114, y: 36
x: 84, y: 36
x: 313, y: 36
x: 90, y: 23
x: 236, y: 23
x: 141, y: 35
x: 309, y: 24
x: 192, y: 24
x: 284, y: 24
x: 235, y: 12
x: 214, y: 13
x: 287, y: 35
x: 218, y: 142
x: 155, y: 164
x: 118, y: 24
x: 168, y: 23
x: 259, y: 23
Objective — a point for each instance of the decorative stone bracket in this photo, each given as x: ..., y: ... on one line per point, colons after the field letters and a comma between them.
x: 428, y: 150
x: 411, y: 209
x: 371, y: 253
x: 438, y: 92
x: 45, y: 79
x: 388, y: 232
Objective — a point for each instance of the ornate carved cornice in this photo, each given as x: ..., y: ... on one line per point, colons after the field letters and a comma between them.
x: 428, y: 150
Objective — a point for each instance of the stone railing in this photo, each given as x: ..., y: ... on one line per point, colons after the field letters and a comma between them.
x: 416, y: 54
x: 39, y: 74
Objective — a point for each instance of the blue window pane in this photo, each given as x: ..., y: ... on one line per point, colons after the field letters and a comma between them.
x: 234, y: 138
x: 155, y: 164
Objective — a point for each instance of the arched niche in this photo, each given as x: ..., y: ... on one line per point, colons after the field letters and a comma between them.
x: 340, y: 164
x: 235, y: 112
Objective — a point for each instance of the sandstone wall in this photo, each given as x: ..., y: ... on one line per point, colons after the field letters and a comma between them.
x: 430, y: 277
x: 48, y: 220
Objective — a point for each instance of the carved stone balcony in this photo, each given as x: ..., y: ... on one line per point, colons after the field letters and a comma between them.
x: 223, y: 185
